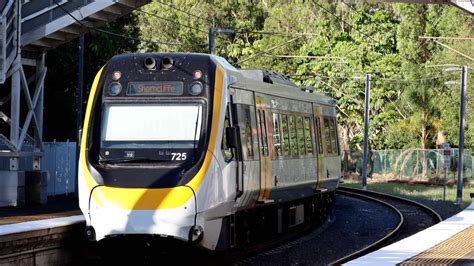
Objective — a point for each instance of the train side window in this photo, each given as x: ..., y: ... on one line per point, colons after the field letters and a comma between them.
x: 293, y: 140
x: 227, y: 152
x: 300, y: 135
x: 327, y: 135
x: 259, y: 129
x: 276, y: 134
x: 247, y: 138
x: 319, y: 136
x: 308, y: 137
x: 285, y: 131
x: 263, y: 132
x: 334, y: 137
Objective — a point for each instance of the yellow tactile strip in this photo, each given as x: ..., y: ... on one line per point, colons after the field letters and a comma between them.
x: 447, y: 252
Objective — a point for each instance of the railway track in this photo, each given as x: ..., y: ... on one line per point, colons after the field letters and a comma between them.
x: 414, y: 217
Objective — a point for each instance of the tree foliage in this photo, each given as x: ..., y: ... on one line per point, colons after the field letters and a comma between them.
x: 61, y: 81
x: 410, y: 105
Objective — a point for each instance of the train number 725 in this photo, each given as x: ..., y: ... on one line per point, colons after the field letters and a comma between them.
x: 177, y: 156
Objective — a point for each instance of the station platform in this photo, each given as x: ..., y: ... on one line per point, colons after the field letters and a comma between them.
x: 450, y: 242
x: 59, y: 206
x: 51, y: 234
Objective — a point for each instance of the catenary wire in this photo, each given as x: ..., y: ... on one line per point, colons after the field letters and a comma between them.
x: 170, y: 21
x: 121, y: 35
x: 180, y: 10
x: 340, y: 19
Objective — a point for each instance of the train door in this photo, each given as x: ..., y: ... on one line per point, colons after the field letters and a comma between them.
x: 263, y: 130
x: 318, y: 120
x: 233, y: 154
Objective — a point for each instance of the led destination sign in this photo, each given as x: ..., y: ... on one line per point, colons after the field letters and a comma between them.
x: 155, y: 88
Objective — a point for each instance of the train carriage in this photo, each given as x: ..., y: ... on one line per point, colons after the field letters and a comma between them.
x: 189, y: 147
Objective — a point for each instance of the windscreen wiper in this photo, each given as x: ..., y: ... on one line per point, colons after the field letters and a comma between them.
x: 195, y: 135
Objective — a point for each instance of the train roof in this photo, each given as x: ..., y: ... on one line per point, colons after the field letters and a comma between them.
x: 258, y: 80
x: 268, y: 82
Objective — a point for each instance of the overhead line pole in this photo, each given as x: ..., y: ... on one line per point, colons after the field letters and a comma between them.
x: 366, y: 131
x: 212, y: 32
x: 461, y: 135
x: 211, y: 40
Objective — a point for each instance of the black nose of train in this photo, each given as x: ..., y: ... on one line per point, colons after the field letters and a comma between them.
x: 90, y: 233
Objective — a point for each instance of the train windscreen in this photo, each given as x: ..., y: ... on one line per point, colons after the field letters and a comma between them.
x: 165, y: 128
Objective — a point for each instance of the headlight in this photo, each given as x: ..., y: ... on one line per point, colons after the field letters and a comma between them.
x: 114, y: 89
x: 195, y: 88
x: 150, y: 63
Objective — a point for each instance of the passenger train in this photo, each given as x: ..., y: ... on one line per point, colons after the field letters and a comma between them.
x: 189, y: 147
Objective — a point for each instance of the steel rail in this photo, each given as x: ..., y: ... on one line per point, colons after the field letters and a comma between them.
x: 429, y: 210
x: 380, y: 243
x: 377, y: 243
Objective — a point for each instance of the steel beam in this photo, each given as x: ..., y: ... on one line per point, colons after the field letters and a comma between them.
x: 15, y: 112
x: 38, y: 101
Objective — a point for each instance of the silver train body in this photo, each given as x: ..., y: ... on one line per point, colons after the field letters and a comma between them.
x: 189, y: 147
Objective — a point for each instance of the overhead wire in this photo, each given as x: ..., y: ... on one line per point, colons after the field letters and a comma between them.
x: 170, y: 21
x: 118, y: 34
x: 277, y: 33
x: 384, y: 80
x: 308, y: 56
x: 180, y: 10
x: 267, y: 50
x: 340, y: 19
x: 361, y: 13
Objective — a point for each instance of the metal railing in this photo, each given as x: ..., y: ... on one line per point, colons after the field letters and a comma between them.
x: 59, y: 160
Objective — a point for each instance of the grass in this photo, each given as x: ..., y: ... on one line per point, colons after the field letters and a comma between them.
x: 414, y: 191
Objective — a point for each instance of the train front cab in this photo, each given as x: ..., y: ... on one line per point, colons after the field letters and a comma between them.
x: 138, y: 179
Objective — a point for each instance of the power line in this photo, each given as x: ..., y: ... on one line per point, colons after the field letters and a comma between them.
x: 448, y: 38
x: 309, y: 56
x: 396, y: 81
x: 121, y: 35
x: 353, y: 9
x: 322, y: 76
x: 190, y: 14
x: 357, y: 11
x: 336, y: 16
x: 454, y: 50
x: 382, y: 79
x: 343, y: 61
x: 142, y: 40
x: 277, y: 33
x: 170, y: 21
x: 272, y: 48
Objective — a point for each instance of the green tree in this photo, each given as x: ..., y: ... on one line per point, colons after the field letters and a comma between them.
x: 347, y: 40
x: 61, y: 80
